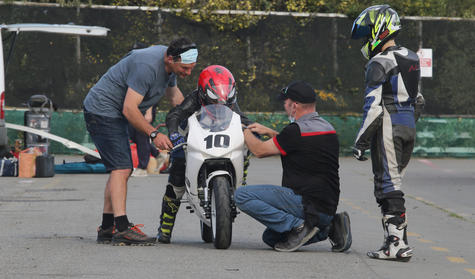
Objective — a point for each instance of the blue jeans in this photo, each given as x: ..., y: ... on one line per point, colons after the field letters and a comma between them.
x: 279, y: 209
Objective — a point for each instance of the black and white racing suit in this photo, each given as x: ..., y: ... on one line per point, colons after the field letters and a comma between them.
x: 391, y: 108
x: 174, y: 119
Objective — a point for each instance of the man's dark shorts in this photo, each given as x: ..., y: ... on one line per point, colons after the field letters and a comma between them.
x: 111, y: 137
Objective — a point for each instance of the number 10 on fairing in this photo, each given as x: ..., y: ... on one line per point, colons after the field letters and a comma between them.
x: 219, y: 141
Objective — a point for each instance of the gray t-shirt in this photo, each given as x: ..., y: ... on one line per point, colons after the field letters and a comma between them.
x: 143, y: 70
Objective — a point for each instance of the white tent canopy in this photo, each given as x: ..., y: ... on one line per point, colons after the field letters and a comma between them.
x: 57, y: 28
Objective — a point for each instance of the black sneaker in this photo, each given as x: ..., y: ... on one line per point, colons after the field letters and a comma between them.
x: 297, y: 237
x: 132, y: 236
x: 340, y: 232
x: 104, y: 236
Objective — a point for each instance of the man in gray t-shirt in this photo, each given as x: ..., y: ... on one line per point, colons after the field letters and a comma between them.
x: 121, y: 96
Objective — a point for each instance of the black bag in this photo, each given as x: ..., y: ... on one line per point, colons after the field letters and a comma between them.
x: 44, y: 166
x: 9, y: 167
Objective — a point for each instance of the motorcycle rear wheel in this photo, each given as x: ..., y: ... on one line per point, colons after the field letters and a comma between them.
x: 221, y: 219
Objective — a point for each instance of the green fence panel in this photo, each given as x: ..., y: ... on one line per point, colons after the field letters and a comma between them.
x: 442, y: 137
x: 436, y: 137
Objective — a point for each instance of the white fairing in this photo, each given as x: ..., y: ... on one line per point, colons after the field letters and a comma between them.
x: 224, y: 140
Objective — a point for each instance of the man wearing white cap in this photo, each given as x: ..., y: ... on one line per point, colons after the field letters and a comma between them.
x: 121, y: 96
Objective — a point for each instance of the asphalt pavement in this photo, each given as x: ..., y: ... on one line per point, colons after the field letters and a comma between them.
x: 48, y: 229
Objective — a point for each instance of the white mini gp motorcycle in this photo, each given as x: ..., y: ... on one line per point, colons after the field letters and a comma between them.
x: 215, y: 153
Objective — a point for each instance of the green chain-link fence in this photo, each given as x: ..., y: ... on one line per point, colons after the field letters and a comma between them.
x: 449, y: 136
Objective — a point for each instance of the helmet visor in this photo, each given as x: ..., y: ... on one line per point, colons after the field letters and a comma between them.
x: 360, y: 29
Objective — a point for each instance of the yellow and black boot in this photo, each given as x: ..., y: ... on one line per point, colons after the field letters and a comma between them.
x: 247, y: 159
x: 167, y: 219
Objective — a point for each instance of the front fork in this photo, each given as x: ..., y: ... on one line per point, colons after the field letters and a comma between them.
x: 204, y: 194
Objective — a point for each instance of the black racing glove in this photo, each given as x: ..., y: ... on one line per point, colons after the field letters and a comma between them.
x: 176, y: 138
x: 359, y: 154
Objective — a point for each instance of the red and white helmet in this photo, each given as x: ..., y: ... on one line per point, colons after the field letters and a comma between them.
x: 216, y: 85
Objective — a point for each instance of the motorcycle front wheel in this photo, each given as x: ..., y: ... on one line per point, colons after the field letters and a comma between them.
x: 221, y: 220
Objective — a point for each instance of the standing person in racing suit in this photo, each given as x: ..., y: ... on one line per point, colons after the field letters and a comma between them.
x: 216, y: 85
x: 391, y: 108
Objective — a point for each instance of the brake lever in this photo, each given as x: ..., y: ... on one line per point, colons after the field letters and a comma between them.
x: 178, y: 146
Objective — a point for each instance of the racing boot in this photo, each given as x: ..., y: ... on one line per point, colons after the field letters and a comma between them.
x: 247, y: 160
x: 167, y: 219
x: 395, y: 245
x: 340, y: 232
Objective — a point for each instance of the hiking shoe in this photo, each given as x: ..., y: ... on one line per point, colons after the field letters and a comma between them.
x: 139, y: 173
x: 340, y: 232
x: 297, y: 237
x: 132, y: 236
x: 104, y: 236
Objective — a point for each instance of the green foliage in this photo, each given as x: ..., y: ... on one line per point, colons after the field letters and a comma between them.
x: 446, y: 82
x: 264, y: 56
x: 205, y: 11
x: 445, y: 8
